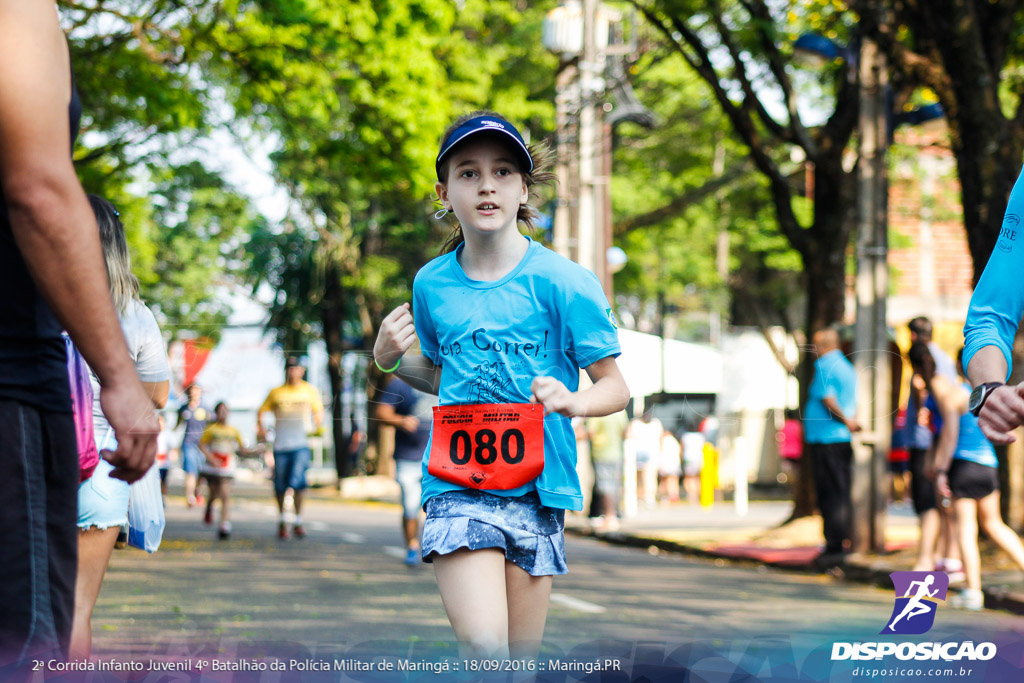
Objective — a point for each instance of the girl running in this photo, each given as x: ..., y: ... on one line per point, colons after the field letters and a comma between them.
x: 221, y: 444
x: 504, y: 326
x: 966, y: 464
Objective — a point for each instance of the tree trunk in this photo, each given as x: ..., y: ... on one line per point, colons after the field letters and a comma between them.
x: 332, y: 314
x: 825, y: 281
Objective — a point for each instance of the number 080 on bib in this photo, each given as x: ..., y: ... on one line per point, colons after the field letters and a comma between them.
x: 488, y: 446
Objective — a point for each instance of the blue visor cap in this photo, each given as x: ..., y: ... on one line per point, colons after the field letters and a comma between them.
x: 485, y: 124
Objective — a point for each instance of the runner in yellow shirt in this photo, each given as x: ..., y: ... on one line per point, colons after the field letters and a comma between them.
x: 298, y: 412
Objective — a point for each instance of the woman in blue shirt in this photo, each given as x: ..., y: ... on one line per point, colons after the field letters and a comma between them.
x: 966, y: 464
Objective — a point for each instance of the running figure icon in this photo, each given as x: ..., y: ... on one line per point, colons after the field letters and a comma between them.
x: 915, y: 606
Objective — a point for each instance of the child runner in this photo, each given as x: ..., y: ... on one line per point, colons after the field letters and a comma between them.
x: 163, y: 456
x: 504, y: 325
x: 221, y: 443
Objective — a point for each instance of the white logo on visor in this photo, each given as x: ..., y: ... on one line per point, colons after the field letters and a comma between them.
x: 492, y: 124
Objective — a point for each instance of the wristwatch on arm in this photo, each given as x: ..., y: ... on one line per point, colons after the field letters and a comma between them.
x: 980, y: 395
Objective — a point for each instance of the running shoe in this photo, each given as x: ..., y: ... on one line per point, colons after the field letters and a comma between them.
x: 225, y: 531
x: 412, y: 556
x: 208, y: 517
x: 299, y: 531
x: 973, y: 600
x: 282, y: 531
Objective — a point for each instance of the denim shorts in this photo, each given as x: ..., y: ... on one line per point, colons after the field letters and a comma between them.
x: 409, y: 474
x: 290, y: 469
x: 530, y: 534
x: 102, y: 500
x: 191, y: 458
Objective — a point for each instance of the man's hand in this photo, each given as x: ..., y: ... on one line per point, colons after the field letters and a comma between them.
x: 853, y: 425
x: 1002, y: 413
x: 409, y: 423
x: 130, y: 412
x: 924, y: 417
x: 555, y: 397
x: 397, y: 333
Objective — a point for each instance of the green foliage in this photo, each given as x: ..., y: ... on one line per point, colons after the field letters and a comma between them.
x: 357, y: 95
x: 203, y: 224
x: 674, y: 255
x: 144, y: 102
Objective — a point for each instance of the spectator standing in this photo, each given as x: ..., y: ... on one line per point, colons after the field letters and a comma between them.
x: 645, y: 434
x: 607, y: 434
x: 410, y: 412
x: 102, y: 498
x: 670, y: 468
x: 194, y: 415
x: 693, y: 442
x: 52, y: 276
x: 828, y: 424
x: 298, y: 412
x: 791, y: 445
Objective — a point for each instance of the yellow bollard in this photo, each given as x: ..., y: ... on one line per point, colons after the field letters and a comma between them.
x: 709, y: 476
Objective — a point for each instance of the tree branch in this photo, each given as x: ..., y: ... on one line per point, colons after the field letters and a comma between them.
x: 762, y: 15
x: 700, y: 61
x: 682, y: 201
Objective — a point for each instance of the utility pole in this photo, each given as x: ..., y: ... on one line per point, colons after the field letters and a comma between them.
x: 590, y: 228
x: 565, y: 99
x: 871, y: 343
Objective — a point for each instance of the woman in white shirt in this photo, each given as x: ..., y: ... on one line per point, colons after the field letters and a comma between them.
x: 103, y: 500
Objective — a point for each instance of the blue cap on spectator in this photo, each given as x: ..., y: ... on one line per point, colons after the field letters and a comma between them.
x: 485, y: 124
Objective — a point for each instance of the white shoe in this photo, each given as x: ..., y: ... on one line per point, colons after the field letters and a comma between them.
x: 973, y: 600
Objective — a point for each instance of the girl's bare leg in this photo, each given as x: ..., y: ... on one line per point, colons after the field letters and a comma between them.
x: 472, y: 585
x: 966, y: 515
x: 992, y: 522
x: 94, y: 548
x: 527, y: 603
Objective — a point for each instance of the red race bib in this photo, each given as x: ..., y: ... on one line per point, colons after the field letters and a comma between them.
x: 488, y: 446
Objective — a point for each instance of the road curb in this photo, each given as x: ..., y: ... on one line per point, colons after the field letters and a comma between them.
x: 861, y: 570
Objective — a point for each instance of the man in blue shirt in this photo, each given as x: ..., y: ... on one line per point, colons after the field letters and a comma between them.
x: 828, y: 424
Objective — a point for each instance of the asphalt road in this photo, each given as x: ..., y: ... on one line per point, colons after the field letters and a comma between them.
x: 343, y: 593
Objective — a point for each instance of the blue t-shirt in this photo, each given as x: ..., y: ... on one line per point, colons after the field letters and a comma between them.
x: 547, y: 317
x: 998, y: 300
x: 195, y: 420
x: 834, y: 377
x: 914, y: 435
x: 971, y: 444
x: 409, y: 401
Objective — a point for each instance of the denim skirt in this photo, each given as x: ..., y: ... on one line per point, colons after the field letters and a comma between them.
x: 531, y: 535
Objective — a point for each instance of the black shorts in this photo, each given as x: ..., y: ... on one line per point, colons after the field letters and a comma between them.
x: 922, y: 489
x: 970, y: 480
x: 39, y: 553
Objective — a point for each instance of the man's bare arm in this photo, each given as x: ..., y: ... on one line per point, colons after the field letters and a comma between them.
x: 53, y: 224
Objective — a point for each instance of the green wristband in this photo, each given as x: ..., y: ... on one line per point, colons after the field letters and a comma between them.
x: 385, y: 370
